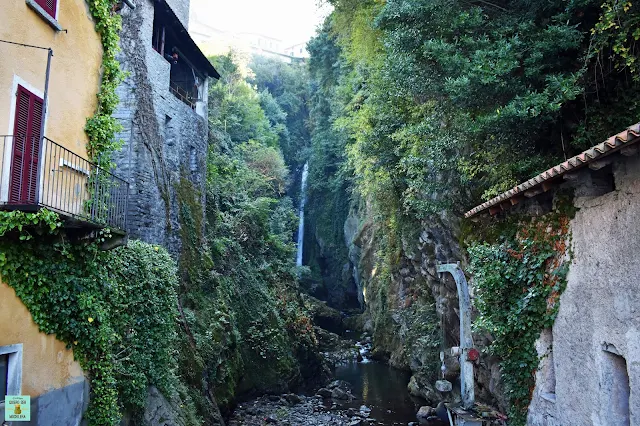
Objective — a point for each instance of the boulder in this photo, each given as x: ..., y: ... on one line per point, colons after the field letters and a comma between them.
x: 425, y: 412
x: 324, y: 393
x: 338, y: 393
x: 324, y: 316
x: 344, y: 385
x: 293, y: 399
x: 421, y: 389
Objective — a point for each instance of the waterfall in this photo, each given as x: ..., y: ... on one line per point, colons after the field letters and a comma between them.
x: 303, y: 200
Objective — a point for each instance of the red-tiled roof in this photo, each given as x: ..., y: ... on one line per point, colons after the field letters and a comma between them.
x: 615, y: 143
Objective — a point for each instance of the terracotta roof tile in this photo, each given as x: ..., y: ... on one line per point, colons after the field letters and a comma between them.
x: 628, y: 137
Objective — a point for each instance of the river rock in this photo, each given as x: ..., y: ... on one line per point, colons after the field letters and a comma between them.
x: 292, y: 399
x: 324, y: 392
x: 338, y: 393
x: 424, y: 412
x: 345, y: 386
x: 422, y: 389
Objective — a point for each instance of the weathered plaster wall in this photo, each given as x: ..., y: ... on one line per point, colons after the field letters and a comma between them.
x: 75, y: 68
x: 599, y: 313
x: 46, y: 363
x: 163, y: 137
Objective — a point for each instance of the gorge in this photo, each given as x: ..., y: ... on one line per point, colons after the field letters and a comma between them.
x: 278, y: 246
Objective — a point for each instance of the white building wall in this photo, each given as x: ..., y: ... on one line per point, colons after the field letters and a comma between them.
x: 596, y: 337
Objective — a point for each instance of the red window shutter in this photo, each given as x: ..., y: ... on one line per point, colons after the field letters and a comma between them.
x: 49, y: 6
x: 26, y: 147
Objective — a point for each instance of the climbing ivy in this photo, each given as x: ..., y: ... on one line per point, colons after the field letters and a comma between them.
x: 107, y: 306
x: 519, y: 281
x: 102, y: 127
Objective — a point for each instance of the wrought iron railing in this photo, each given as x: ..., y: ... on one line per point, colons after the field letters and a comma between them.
x: 36, y: 173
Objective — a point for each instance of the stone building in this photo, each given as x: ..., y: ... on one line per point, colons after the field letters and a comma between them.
x: 163, y: 112
x: 589, y: 371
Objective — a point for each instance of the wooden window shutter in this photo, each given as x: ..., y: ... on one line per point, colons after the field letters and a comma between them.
x: 49, y: 6
x: 26, y: 147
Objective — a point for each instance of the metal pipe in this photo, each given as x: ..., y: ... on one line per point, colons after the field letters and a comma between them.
x: 466, y: 340
x: 45, y: 102
x: 130, y: 4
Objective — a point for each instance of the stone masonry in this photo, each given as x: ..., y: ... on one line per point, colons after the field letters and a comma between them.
x: 164, y: 139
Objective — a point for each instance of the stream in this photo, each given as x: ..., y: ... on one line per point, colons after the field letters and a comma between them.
x: 381, y: 388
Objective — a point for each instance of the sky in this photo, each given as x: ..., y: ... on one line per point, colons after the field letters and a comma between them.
x: 292, y: 21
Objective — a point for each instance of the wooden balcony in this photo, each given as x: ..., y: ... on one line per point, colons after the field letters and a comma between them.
x: 39, y: 173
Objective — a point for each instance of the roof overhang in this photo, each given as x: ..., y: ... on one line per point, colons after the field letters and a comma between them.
x: 188, y: 46
x: 624, y: 142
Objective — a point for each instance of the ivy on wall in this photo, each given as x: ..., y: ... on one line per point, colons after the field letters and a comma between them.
x: 92, y: 301
x: 102, y: 127
x: 519, y: 281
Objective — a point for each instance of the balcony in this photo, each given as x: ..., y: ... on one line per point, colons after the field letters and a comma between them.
x: 37, y: 174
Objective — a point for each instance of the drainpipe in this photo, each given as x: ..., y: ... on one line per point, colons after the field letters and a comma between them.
x: 45, y: 107
x: 466, y: 341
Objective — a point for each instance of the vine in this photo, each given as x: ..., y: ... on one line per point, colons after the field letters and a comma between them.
x: 103, y: 126
x: 519, y: 282
x: 92, y: 301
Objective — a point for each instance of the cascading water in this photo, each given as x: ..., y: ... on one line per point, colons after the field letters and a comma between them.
x: 303, y: 200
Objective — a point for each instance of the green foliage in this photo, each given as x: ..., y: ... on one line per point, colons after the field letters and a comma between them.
x: 244, y: 327
x: 103, y: 126
x: 471, y: 98
x: 288, y: 87
x: 235, y: 107
x: 107, y: 306
x: 519, y: 282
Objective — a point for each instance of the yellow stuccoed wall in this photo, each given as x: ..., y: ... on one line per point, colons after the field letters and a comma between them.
x: 75, y: 67
x: 73, y: 85
x: 46, y: 363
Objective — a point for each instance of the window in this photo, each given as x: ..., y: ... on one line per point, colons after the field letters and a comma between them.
x: 10, y: 372
x: 49, y: 6
x: 4, y: 374
x: 26, y: 147
x: 184, y: 81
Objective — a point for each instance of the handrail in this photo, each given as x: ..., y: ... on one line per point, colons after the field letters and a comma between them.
x: 36, y: 173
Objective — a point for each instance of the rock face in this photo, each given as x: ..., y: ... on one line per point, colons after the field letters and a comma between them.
x: 409, y: 305
x: 323, y: 315
x: 160, y: 412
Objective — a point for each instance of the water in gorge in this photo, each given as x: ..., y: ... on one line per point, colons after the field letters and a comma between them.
x: 381, y: 388
x: 303, y: 200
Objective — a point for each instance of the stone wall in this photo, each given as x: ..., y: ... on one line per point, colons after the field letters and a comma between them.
x: 595, y: 342
x: 164, y: 138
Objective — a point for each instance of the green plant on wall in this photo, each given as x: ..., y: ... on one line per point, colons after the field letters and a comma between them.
x: 519, y: 282
x: 106, y: 306
x: 102, y: 127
